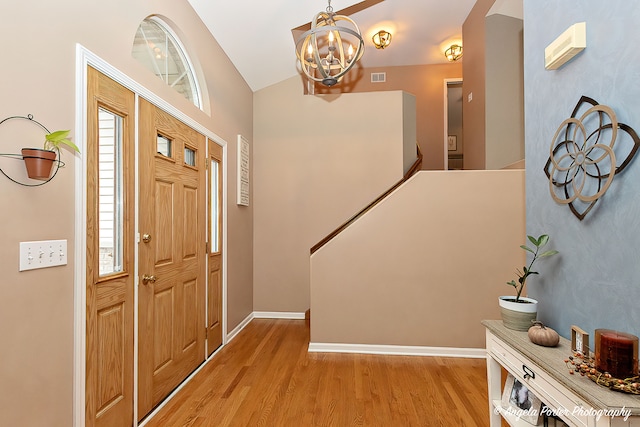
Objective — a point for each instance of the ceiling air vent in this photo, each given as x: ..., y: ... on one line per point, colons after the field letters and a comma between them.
x: 378, y: 77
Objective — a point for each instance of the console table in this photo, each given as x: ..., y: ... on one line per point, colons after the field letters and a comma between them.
x: 576, y: 399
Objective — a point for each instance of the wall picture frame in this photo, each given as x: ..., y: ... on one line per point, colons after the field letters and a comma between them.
x: 452, y: 142
x: 579, y: 340
x: 518, y: 400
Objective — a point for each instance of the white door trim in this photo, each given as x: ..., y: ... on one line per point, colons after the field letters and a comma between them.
x: 85, y: 58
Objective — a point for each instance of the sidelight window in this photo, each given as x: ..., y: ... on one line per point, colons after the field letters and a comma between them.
x: 215, y: 206
x: 110, y: 193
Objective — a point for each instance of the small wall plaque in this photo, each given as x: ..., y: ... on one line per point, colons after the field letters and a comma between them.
x: 579, y: 340
x: 452, y: 143
x: 243, y: 171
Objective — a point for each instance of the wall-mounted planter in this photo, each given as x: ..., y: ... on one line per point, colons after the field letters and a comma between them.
x: 38, y: 162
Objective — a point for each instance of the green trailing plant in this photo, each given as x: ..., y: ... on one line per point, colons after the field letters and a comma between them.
x: 54, y: 140
x: 538, y: 243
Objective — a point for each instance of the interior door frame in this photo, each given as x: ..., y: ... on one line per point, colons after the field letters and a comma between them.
x: 85, y: 58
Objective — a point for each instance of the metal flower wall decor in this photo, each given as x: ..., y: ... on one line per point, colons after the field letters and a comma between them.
x: 584, y: 155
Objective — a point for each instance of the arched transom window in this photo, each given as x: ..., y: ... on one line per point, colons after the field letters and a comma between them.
x: 159, y: 49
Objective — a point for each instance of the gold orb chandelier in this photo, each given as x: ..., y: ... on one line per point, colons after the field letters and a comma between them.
x: 330, y: 48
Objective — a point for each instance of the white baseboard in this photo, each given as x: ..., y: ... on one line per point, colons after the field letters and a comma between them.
x: 231, y: 335
x: 398, y: 350
x: 277, y: 315
x: 262, y: 315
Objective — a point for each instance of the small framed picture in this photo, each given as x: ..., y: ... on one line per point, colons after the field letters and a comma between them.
x: 520, y: 402
x: 452, y: 143
x: 579, y: 340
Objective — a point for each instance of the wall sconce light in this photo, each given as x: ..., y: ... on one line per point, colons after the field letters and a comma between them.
x: 453, y: 53
x: 381, y: 39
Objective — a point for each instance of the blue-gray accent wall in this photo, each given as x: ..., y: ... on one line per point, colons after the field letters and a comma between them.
x: 595, y: 281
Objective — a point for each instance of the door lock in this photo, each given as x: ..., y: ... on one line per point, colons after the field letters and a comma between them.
x: 146, y: 279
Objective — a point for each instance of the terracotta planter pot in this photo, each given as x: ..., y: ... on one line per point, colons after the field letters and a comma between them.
x: 518, y: 315
x: 38, y: 162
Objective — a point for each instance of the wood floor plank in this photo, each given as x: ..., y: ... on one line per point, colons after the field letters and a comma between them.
x: 266, y: 377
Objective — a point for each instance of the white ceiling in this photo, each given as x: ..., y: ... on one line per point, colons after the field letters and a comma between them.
x: 256, y: 34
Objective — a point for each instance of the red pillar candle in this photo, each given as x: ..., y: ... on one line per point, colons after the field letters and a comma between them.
x: 616, y: 353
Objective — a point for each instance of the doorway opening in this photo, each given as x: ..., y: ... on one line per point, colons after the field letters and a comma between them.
x: 453, y: 135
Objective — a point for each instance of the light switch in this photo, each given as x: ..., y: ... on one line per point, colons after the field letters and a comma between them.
x: 42, y: 254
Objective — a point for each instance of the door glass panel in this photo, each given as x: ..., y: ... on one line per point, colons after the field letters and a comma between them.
x: 110, y: 193
x: 215, y: 206
x: 189, y: 156
x: 164, y: 146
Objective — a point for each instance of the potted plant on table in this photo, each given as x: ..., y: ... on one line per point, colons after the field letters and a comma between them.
x: 39, y: 161
x: 518, y: 312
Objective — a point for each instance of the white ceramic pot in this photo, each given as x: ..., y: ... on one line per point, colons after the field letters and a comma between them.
x: 518, y: 315
x: 528, y: 306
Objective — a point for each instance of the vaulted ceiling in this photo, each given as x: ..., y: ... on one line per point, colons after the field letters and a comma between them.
x: 257, y: 35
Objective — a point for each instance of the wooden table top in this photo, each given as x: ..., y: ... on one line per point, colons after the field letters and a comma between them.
x: 551, y: 360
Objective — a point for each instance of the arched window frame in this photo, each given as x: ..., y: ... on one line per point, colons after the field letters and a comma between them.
x: 184, y: 58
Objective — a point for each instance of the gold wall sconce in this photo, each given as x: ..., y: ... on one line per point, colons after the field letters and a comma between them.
x: 381, y: 39
x: 453, y: 53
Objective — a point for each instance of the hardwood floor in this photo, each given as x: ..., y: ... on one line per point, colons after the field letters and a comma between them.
x: 266, y: 377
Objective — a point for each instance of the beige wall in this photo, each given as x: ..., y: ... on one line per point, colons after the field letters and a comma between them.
x: 322, y: 159
x: 473, y: 69
x: 426, y: 82
x: 409, y: 137
x: 37, y: 307
x: 504, y: 109
x: 493, y: 120
x: 393, y: 278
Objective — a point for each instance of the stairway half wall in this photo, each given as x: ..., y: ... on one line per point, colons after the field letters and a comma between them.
x: 424, y: 266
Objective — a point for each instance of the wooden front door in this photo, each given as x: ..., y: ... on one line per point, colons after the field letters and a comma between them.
x: 172, y: 254
x: 110, y: 270
x: 214, y: 285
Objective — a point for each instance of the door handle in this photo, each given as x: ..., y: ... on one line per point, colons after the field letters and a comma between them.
x: 146, y: 279
x: 146, y: 238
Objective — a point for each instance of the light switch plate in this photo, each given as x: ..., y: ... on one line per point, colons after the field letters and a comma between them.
x: 42, y: 254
